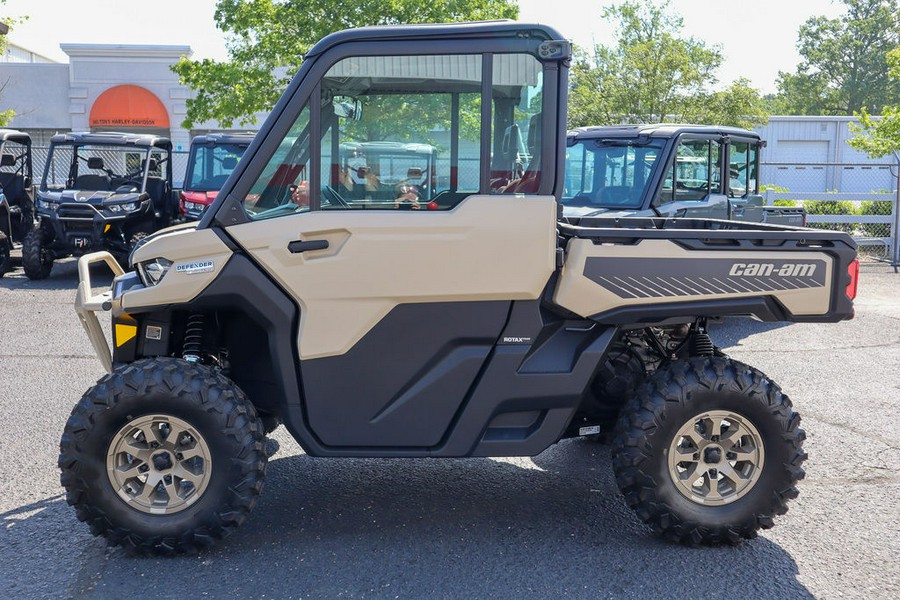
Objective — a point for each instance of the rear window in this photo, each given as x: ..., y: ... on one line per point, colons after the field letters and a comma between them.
x: 212, y: 165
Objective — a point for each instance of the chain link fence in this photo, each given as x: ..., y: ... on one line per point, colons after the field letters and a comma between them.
x: 859, y: 199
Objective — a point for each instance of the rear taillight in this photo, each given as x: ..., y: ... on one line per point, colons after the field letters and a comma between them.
x: 853, y: 272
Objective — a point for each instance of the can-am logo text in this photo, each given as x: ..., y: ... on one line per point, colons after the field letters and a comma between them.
x: 768, y: 269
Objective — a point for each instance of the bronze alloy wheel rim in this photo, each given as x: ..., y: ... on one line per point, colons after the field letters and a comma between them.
x: 716, y: 458
x: 158, y: 464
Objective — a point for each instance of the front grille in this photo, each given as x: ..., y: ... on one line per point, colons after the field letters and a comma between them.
x: 76, y: 218
x: 75, y: 211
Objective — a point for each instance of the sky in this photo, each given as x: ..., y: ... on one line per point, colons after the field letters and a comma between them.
x: 757, y: 38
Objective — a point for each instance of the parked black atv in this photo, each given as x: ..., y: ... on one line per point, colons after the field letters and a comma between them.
x: 16, y: 193
x: 100, y: 191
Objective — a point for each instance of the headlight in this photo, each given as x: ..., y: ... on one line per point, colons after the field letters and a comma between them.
x: 152, y: 271
x: 47, y: 204
x: 122, y: 207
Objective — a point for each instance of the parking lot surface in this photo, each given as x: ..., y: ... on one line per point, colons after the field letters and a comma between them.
x: 544, y: 527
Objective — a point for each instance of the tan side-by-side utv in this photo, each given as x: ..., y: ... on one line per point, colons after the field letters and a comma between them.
x: 382, y: 305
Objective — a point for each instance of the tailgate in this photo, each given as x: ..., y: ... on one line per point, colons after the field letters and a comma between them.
x: 783, y: 215
x: 639, y: 276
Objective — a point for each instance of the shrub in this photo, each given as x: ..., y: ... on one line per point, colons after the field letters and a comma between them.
x: 831, y: 207
x: 768, y: 186
x: 877, y: 207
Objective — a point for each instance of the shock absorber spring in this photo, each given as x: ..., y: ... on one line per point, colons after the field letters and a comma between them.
x: 701, y: 344
x: 193, y: 337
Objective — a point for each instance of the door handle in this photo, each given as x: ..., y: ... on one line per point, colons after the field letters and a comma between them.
x: 298, y: 246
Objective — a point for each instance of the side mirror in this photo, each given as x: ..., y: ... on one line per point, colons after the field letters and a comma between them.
x: 95, y: 162
x: 7, y: 160
x: 229, y: 162
x: 347, y: 107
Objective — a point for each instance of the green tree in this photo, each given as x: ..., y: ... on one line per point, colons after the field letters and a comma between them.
x: 7, y: 115
x: 654, y: 74
x: 843, y: 68
x: 880, y: 137
x: 268, y: 38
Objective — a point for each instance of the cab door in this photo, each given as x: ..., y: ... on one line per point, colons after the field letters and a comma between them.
x: 693, y: 184
x: 401, y: 298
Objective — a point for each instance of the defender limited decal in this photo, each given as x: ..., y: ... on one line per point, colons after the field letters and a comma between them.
x: 193, y: 268
x: 675, y: 277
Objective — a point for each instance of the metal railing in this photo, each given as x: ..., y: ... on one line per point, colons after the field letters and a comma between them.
x: 860, y: 199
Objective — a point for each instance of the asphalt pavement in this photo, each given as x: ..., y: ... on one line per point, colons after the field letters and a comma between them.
x: 544, y: 527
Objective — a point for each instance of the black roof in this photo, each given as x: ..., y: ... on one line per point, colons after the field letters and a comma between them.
x: 112, y: 138
x: 14, y: 135
x: 657, y: 130
x: 436, y: 31
x: 240, y: 139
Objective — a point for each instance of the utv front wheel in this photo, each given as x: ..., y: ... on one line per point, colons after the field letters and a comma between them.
x: 36, y: 258
x: 163, y: 457
x: 708, y: 451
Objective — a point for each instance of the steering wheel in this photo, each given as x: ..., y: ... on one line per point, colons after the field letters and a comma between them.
x: 333, y: 197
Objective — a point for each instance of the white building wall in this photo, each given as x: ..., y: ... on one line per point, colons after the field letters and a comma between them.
x: 811, y: 154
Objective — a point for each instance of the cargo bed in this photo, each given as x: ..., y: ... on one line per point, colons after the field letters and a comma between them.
x: 644, y: 271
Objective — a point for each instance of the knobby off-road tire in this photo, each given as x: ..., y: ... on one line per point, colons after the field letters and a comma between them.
x: 723, y: 424
x: 119, y: 437
x: 5, y: 254
x: 35, y: 258
x: 133, y: 240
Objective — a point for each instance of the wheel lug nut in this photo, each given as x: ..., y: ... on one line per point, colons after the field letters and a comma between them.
x: 154, y: 445
x: 179, y: 456
x: 696, y: 456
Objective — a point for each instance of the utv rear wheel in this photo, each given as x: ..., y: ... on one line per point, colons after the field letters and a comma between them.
x: 163, y: 457
x: 708, y: 451
x: 36, y: 257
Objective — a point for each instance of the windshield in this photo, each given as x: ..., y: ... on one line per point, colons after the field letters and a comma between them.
x: 99, y: 167
x: 210, y: 166
x: 609, y: 173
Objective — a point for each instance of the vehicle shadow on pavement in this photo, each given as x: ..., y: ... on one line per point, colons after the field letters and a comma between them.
x: 730, y: 331
x: 414, y: 528
x: 64, y: 276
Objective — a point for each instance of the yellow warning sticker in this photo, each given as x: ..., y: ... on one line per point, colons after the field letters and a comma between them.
x: 124, y: 333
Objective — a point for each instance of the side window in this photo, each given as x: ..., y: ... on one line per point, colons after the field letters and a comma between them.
x: 738, y: 171
x: 283, y: 186
x: 401, y: 132
x: 753, y: 169
x: 517, y: 96
x: 695, y: 172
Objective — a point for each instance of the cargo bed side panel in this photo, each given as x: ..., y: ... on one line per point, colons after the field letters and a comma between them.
x: 602, y: 279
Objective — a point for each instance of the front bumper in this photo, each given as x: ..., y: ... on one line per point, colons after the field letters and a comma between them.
x: 87, y: 304
x: 82, y: 228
